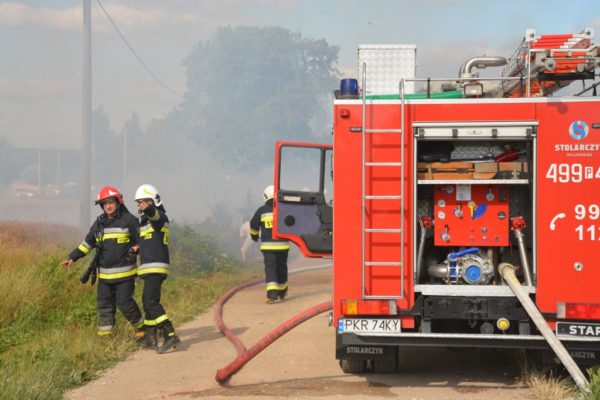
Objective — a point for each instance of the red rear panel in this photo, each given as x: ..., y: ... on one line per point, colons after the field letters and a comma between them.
x: 568, y: 203
x: 567, y: 214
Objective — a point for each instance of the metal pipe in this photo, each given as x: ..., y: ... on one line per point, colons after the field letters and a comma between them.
x: 438, y: 271
x: 524, y: 263
x: 480, y: 63
x: 517, y: 226
x: 425, y: 224
x: 508, y: 273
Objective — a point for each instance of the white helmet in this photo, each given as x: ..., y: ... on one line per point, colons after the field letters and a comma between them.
x: 269, y: 192
x: 147, y: 191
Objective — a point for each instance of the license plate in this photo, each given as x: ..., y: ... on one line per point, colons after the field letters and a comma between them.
x: 578, y: 329
x: 369, y: 326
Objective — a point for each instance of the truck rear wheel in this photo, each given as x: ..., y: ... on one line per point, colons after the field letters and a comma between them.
x: 353, y: 366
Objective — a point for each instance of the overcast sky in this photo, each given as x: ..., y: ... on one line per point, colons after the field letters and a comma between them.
x: 40, y: 47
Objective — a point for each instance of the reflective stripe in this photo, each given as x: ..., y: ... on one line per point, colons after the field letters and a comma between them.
x: 117, y: 273
x: 155, y: 216
x: 154, y: 322
x: 139, y: 324
x: 253, y: 232
x: 282, y: 286
x: 153, y: 264
x: 116, y: 270
x: 274, y: 245
x: 148, y: 229
x: 105, y: 330
x: 116, y: 230
x: 117, y: 276
x: 120, y: 237
x: 153, y: 268
x: 165, y: 231
x: 83, y: 248
x: 147, y: 233
x: 272, y: 286
x: 147, y: 271
x: 266, y: 217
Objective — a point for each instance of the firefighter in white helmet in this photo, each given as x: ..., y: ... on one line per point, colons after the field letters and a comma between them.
x: 275, y: 251
x: 154, y: 266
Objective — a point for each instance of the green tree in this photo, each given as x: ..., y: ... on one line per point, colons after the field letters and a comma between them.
x: 249, y: 87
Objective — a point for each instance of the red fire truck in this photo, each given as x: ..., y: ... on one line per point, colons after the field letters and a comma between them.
x: 432, y: 184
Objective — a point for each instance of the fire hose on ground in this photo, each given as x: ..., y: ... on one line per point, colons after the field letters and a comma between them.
x: 508, y: 273
x: 244, y: 355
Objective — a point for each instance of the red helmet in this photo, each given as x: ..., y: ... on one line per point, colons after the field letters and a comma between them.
x: 107, y: 192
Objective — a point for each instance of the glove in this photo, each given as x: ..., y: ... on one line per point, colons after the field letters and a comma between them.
x: 132, y: 255
x: 93, y: 276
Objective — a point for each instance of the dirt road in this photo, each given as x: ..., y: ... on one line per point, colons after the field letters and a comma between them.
x: 301, y: 364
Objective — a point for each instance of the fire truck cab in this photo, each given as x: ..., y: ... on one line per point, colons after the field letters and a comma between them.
x: 432, y: 184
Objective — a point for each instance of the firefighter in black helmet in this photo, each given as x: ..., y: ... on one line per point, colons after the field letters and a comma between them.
x: 154, y: 266
x: 113, y: 235
x: 275, y: 251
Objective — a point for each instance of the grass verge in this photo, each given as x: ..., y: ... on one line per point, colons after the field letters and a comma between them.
x: 554, y: 383
x: 48, y: 341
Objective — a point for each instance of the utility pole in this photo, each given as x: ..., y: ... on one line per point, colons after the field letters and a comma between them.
x: 58, y: 168
x: 86, y: 120
x: 125, y: 157
x: 39, y: 171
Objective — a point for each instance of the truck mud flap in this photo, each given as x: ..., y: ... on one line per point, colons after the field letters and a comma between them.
x: 363, y: 352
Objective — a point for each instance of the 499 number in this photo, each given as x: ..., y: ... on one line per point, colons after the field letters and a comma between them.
x: 574, y: 173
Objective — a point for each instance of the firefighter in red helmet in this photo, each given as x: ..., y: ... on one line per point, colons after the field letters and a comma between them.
x: 275, y: 251
x: 114, y: 236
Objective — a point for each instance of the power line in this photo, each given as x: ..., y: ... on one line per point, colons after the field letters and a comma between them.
x: 135, y: 54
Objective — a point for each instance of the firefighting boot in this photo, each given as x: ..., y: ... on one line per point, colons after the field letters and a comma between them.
x: 140, y: 336
x: 170, y: 339
x: 150, y: 342
x: 272, y: 297
x: 282, y: 293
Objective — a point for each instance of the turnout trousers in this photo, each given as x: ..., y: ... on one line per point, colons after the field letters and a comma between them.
x: 113, y: 295
x: 276, y: 273
x: 155, y: 314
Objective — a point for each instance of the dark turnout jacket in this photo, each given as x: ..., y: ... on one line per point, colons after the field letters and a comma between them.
x: 113, y: 237
x: 154, y: 241
x: 261, y: 225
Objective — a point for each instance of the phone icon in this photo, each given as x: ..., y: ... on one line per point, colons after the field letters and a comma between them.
x: 556, y: 218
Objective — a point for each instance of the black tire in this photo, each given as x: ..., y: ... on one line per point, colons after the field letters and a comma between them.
x: 353, y: 366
